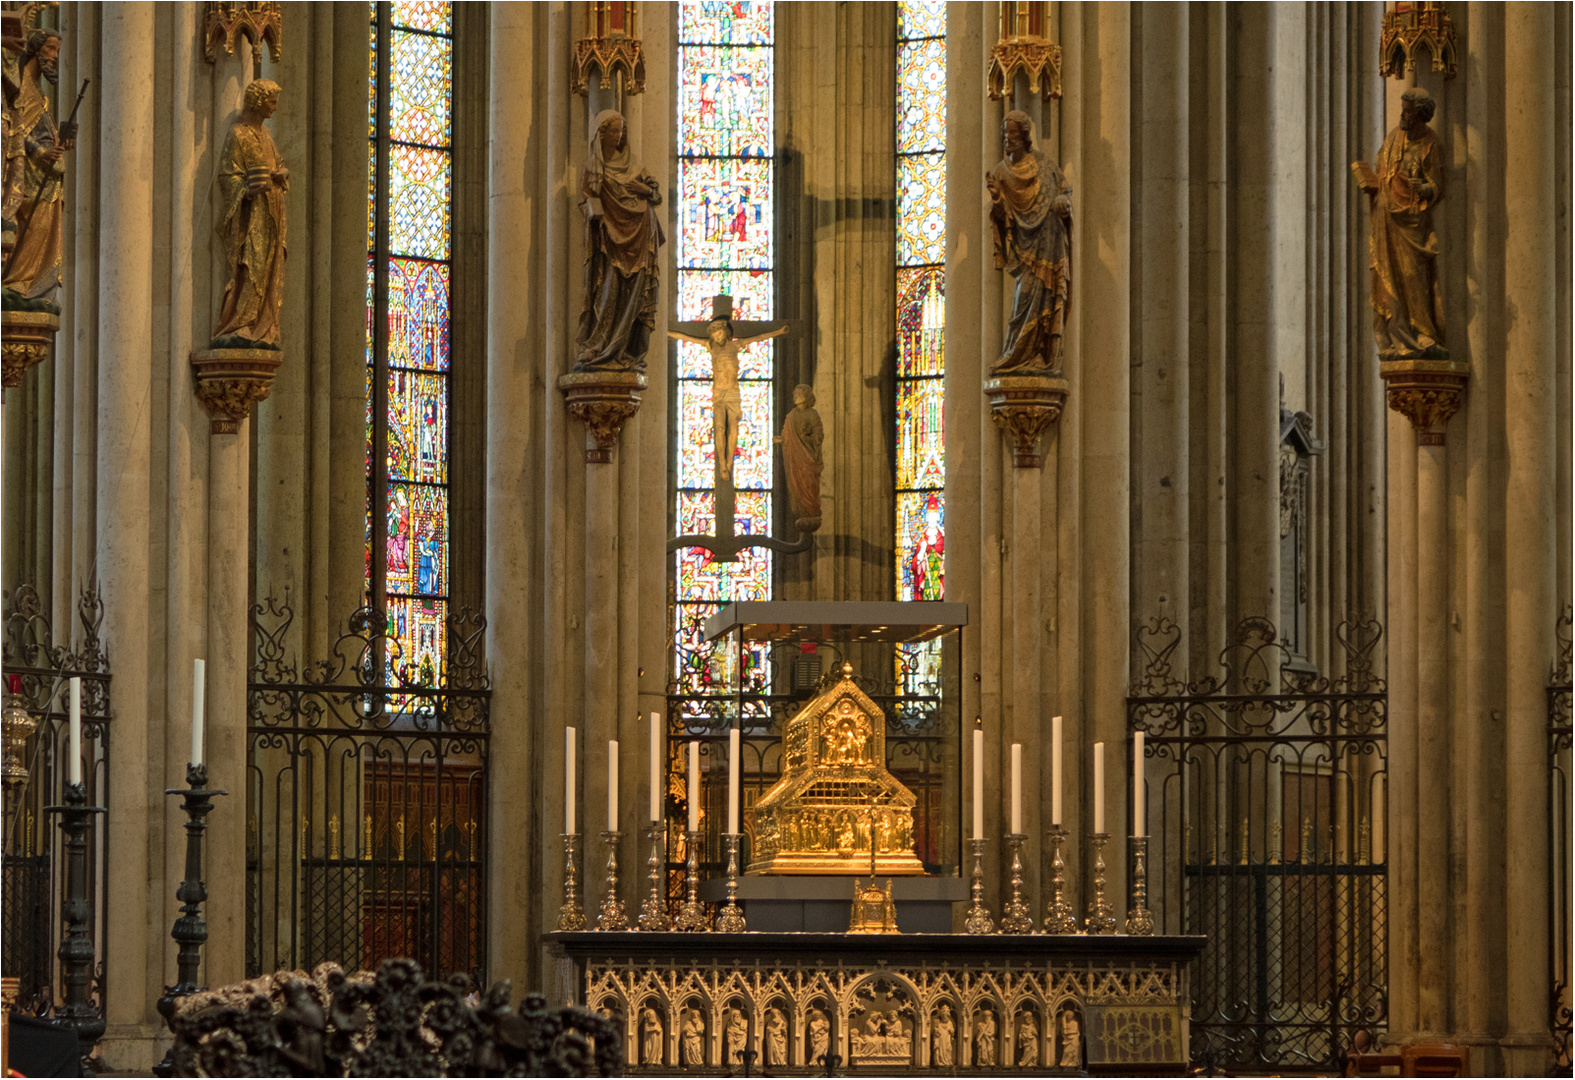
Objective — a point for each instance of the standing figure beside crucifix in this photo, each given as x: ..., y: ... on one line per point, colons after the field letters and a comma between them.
x: 726, y: 404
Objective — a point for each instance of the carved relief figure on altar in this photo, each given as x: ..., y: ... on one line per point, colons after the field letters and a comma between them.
x: 650, y: 1037
x: 984, y: 1028
x: 1071, y: 1039
x: 252, y: 181
x: 691, y: 1047
x: 803, y: 433
x: 618, y: 196
x: 1031, y: 223
x: 736, y: 1034
x: 943, y: 1037
x: 819, y: 1036
x: 776, y: 1052
x: 726, y: 404
x: 1027, y: 1040
x: 33, y: 200
x: 1403, y: 185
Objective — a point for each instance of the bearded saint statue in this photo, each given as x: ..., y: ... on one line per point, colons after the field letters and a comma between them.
x: 33, y: 198
x: 252, y: 181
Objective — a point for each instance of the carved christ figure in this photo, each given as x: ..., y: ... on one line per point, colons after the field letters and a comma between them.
x: 252, y: 180
x: 1403, y: 184
x: 1031, y: 223
x: 726, y: 406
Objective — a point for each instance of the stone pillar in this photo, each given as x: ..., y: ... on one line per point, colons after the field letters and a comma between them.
x: 124, y: 331
x: 1105, y: 69
x: 1531, y: 281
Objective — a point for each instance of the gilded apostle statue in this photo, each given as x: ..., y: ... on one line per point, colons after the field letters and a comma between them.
x: 34, y: 176
x: 252, y: 180
x: 618, y: 196
x: 802, y: 436
x: 1031, y: 222
x: 1403, y: 184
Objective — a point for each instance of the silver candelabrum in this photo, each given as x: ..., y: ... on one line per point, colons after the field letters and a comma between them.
x: 1059, y: 918
x: 653, y: 913
x: 730, y: 920
x: 1101, y: 919
x: 978, y: 920
x: 691, y: 916
x: 1139, y: 921
x: 1015, y: 917
x: 612, y: 916
x: 571, y: 916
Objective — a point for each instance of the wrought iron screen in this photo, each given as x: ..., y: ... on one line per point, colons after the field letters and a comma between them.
x: 1560, y: 862
x: 41, y: 671
x: 1265, y: 794
x: 366, y: 803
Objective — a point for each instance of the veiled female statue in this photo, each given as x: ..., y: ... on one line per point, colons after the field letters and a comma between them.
x: 1031, y: 221
x: 252, y: 181
x: 618, y: 196
x: 803, y: 433
x: 1402, y: 185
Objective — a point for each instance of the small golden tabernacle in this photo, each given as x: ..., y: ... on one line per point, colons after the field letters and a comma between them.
x: 874, y: 911
x: 836, y: 809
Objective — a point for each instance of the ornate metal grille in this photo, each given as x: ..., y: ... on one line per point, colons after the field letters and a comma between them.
x: 1559, y: 844
x: 366, y: 803
x: 34, y: 879
x: 1265, y: 789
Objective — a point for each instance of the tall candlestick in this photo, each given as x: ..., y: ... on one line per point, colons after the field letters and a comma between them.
x: 75, y: 743
x: 978, y: 783
x: 1099, y: 787
x: 656, y: 767
x: 612, y: 785
x: 1017, y: 787
x: 1138, y: 816
x: 694, y: 786
x: 198, y: 678
x: 732, y: 780
x: 1055, y: 770
x: 568, y: 781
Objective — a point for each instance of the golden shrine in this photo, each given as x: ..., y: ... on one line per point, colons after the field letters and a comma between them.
x: 837, y: 809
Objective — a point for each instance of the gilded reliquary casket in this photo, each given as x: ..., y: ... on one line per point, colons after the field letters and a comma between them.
x: 836, y: 797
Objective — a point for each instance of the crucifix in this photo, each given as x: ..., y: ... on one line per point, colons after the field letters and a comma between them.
x: 722, y: 336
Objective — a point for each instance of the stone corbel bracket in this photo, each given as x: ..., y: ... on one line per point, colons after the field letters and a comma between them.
x: 603, y: 401
x: 1427, y: 393
x: 1023, y: 406
x: 25, y: 340
x: 1421, y: 24
x: 230, y: 381
x: 1034, y: 56
x: 258, y: 21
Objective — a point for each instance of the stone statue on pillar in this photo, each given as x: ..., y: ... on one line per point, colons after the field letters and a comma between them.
x: 1031, y: 223
x: 35, y: 172
x: 252, y: 181
x: 618, y: 196
x: 1403, y: 185
x: 803, y: 433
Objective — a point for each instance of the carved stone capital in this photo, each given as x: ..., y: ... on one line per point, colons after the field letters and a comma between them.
x: 603, y: 401
x: 1022, y: 406
x: 230, y: 381
x: 25, y: 340
x: 1427, y: 393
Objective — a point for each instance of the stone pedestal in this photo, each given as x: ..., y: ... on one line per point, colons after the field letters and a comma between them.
x: 25, y: 340
x: 229, y: 381
x: 1022, y: 406
x: 1426, y: 392
x: 603, y: 401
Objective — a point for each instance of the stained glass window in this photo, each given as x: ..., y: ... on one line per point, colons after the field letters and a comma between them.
x: 725, y: 244
x: 409, y: 131
x: 921, y: 317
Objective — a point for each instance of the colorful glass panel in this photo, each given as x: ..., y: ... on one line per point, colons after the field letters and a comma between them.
x: 921, y: 209
x: 750, y: 290
x: 410, y: 155
x: 724, y: 217
x: 921, y: 571
x: 921, y: 96
x: 724, y: 102
x: 920, y: 464
x: 724, y: 22
x: 922, y: 19
x: 921, y: 321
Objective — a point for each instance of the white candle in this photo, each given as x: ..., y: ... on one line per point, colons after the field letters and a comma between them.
x: 612, y: 785
x: 1017, y: 787
x: 1055, y: 770
x: 198, y: 673
x: 75, y: 759
x: 978, y: 783
x: 1099, y: 787
x: 1138, y: 816
x: 694, y: 786
x: 568, y: 780
x: 1380, y: 815
x: 732, y: 780
x: 656, y: 767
